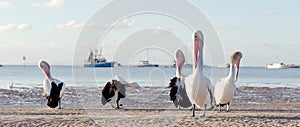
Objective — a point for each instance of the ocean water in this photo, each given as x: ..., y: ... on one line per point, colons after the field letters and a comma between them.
x: 31, y: 76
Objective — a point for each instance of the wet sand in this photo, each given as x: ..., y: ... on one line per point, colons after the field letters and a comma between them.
x: 252, y: 106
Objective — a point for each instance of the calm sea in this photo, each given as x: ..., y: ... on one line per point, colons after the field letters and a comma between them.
x: 31, y: 76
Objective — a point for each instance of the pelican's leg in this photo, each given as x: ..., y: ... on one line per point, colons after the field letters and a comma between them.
x: 219, y: 108
x: 112, y: 105
x: 193, y: 110
x: 203, y: 115
x: 118, y: 105
x: 228, y: 108
x: 211, y: 99
x: 59, y: 105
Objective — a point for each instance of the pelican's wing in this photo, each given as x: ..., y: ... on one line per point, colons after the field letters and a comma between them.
x: 107, y: 93
x: 209, y: 97
x: 120, y: 79
x: 60, y: 84
x: 184, y: 99
x: 62, y: 91
x: 46, y: 87
x: 134, y: 86
x: 219, y: 89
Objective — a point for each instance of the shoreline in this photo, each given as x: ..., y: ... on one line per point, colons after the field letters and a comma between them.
x: 81, y: 106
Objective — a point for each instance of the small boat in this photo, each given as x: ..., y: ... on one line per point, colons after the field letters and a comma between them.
x: 293, y: 66
x: 145, y: 63
x: 226, y: 65
x: 277, y: 65
x: 187, y: 65
x: 1, y: 65
x: 96, y: 60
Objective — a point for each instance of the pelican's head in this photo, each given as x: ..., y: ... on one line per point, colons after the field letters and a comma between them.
x: 198, y: 44
x: 45, y: 67
x: 179, y: 62
x: 235, y: 60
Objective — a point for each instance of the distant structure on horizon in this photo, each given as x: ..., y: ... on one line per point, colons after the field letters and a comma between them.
x: 97, y: 60
x: 276, y: 65
x: 145, y: 63
x: 24, y: 60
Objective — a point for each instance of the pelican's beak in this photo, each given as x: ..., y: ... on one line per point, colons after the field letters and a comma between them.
x: 44, y: 69
x: 196, y: 49
x: 238, y: 69
x: 178, y: 68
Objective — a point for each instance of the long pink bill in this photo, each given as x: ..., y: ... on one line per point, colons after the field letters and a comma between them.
x: 196, y: 50
x: 238, y: 69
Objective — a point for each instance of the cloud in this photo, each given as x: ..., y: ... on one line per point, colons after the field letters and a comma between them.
x: 4, y: 4
x: 70, y: 25
x: 161, y: 30
x: 269, y: 12
x: 125, y: 23
x: 122, y: 24
x: 15, y: 27
x: 52, y: 3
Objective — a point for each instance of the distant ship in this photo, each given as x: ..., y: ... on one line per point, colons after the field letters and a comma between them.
x: 1, y: 65
x: 293, y: 66
x: 277, y: 65
x: 187, y: 65
x: 96, y: 60
x: 145, y: 63
x: 226, y: 65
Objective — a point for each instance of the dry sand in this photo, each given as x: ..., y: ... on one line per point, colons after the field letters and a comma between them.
x: 252, y: 106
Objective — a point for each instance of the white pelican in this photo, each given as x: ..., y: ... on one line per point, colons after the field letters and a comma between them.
x: 198, y: 87
x: 178, y: 93
x: 53, y: 88
x: 114, y: 90
x: 225, y: 87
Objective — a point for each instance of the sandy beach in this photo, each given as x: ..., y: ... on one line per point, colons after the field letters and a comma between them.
x: 252, y: 106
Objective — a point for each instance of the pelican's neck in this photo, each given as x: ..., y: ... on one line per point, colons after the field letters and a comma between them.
x: 200, y: 60
x: 177, y: 73
x: 48, y: 76
x: 232, y: 71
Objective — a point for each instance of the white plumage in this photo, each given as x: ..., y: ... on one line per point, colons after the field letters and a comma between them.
x: 178, y: 92
x: 53, y: 88
x: 225, y: 87
x: 198, y: 87
x: 47, y: 87
x: 115, y: 89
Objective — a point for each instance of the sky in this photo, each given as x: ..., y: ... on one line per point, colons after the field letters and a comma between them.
x: 264, y: 30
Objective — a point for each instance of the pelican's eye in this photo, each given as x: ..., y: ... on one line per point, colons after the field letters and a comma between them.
x: 196, y: 37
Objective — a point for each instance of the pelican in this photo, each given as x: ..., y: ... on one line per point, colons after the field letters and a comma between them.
x: 225, y: 87
x: 53, y: 88
x: 177, y: 92
x: 114, y: 90
x: 198, y: 87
